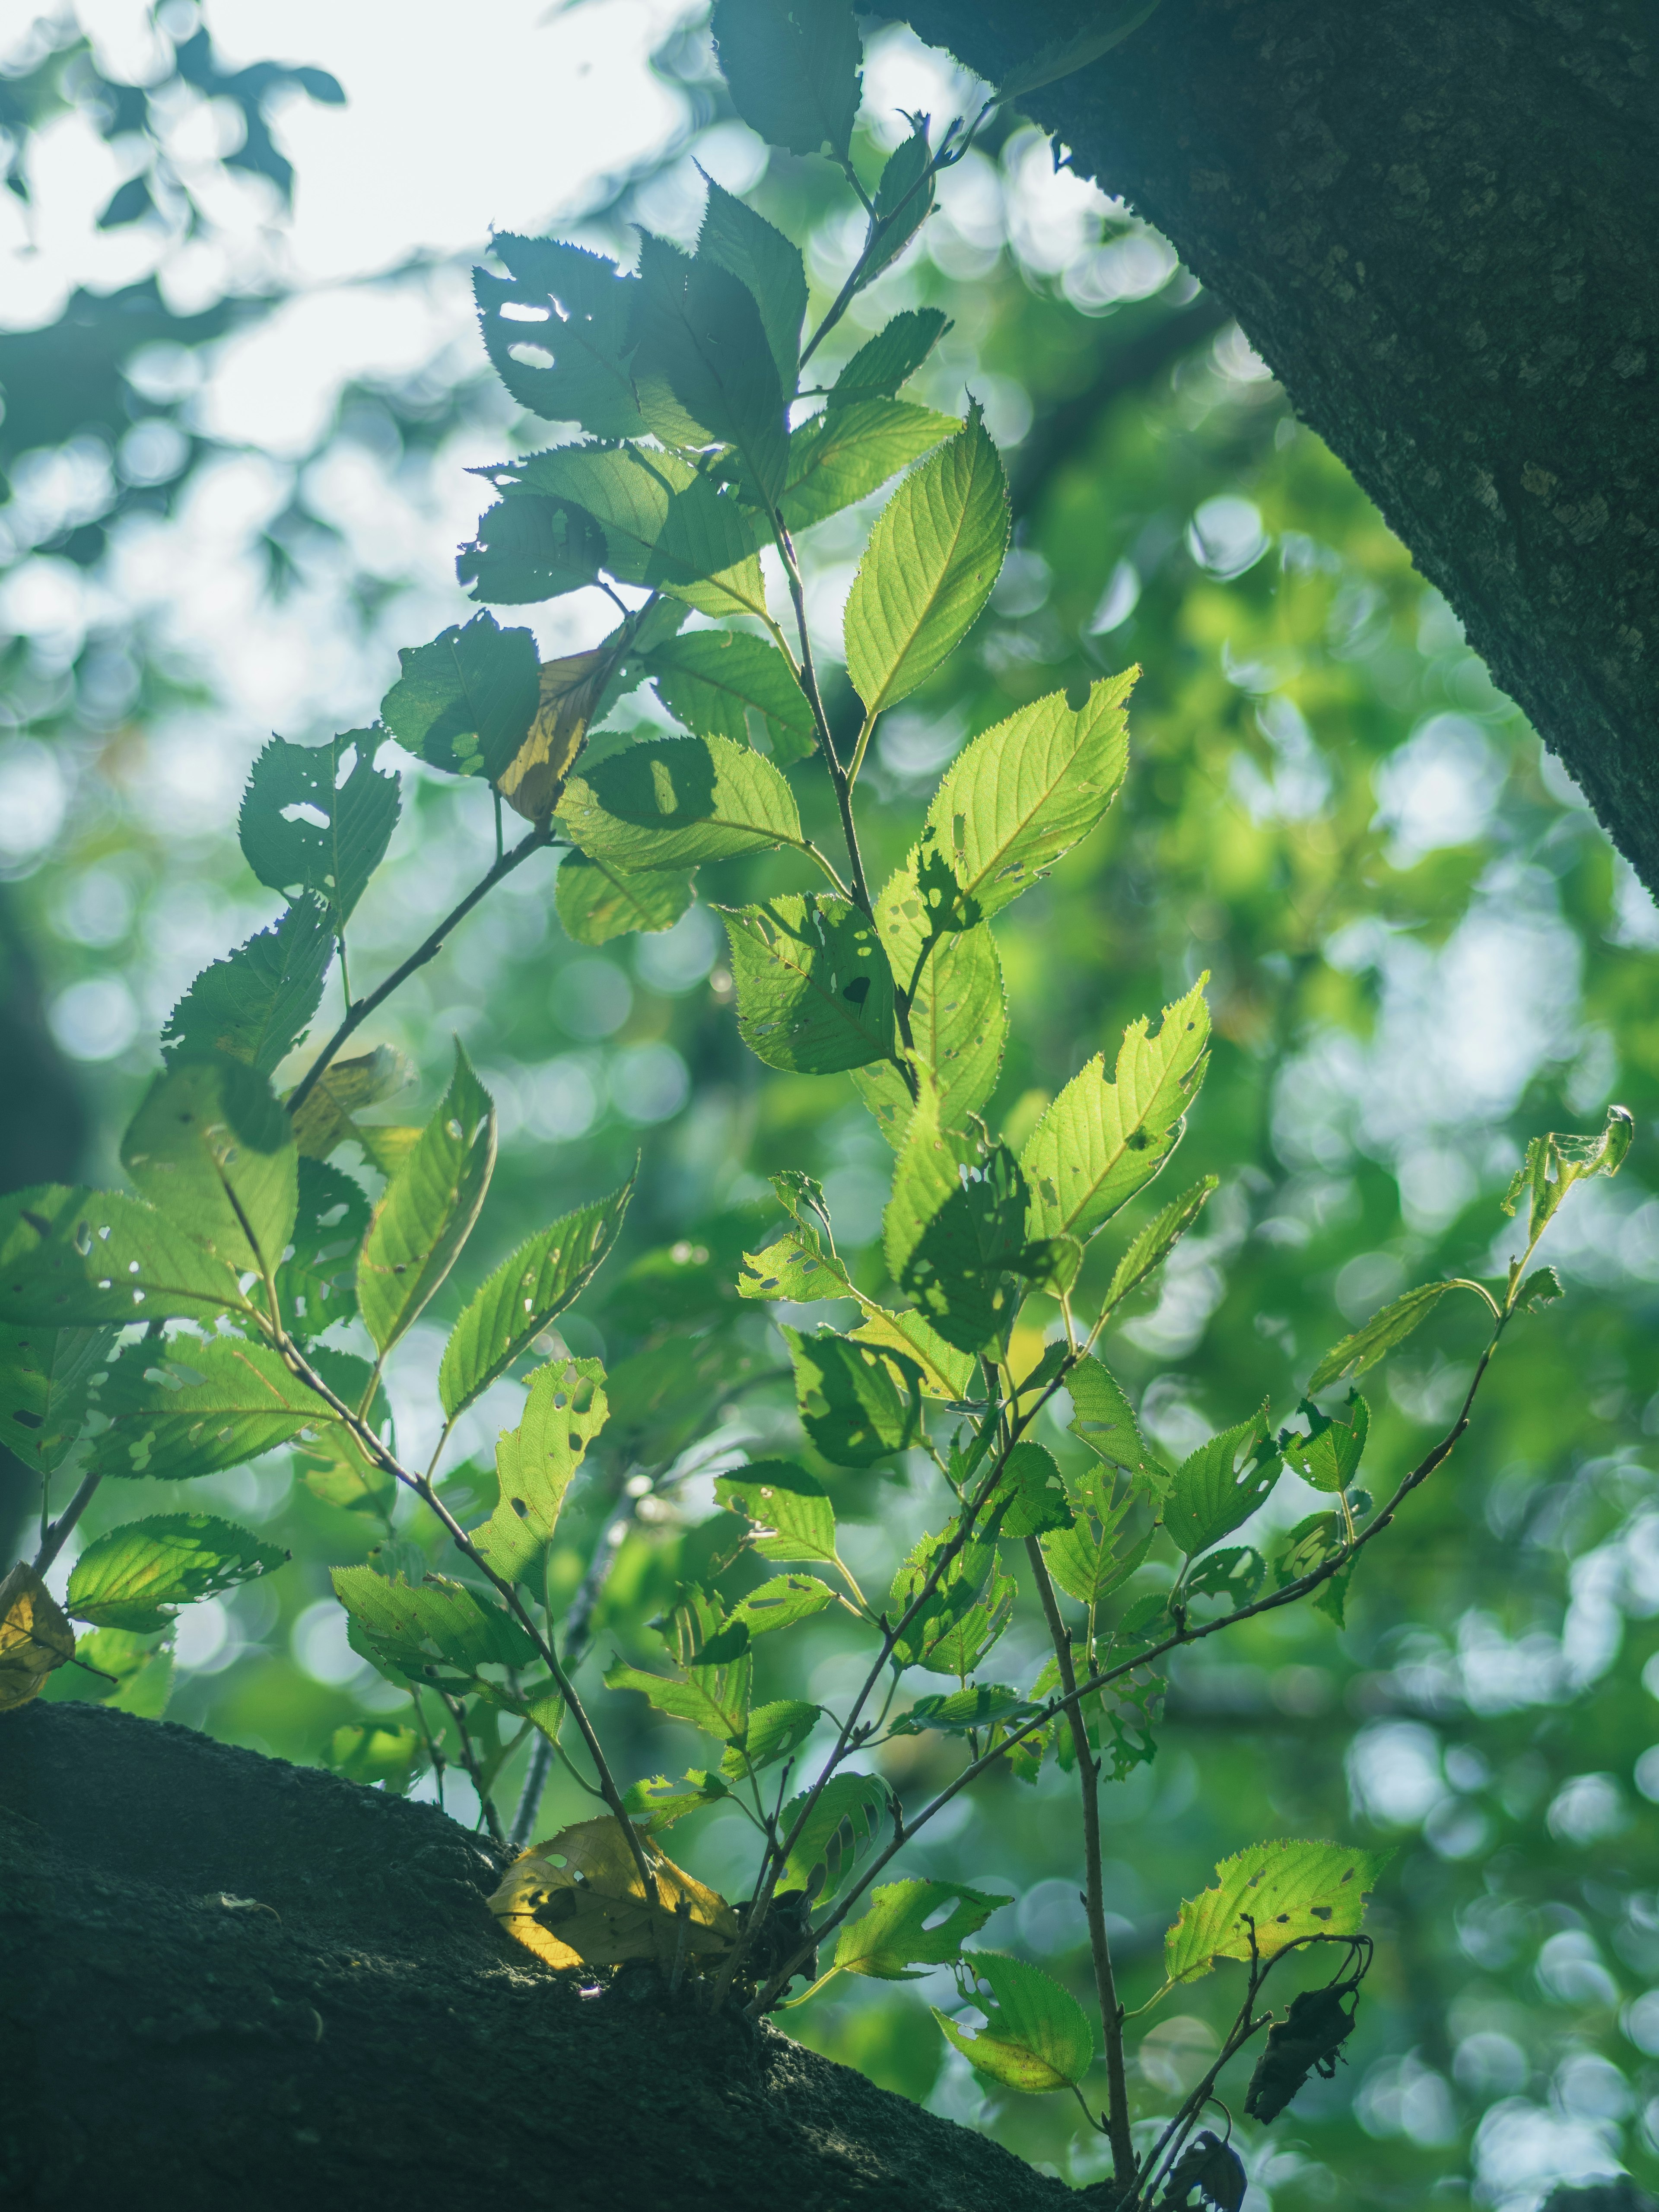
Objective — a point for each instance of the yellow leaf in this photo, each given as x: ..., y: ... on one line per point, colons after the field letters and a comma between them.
x: 577, y: 1900
x: 324, y: 1119
x: 570, y: 691
x: 34, y: 1636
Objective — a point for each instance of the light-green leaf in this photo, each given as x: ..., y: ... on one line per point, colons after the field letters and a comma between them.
x: 466, y: 702
x: 842, y: 1827
x: 197, y: 1405
x: 564, y: 1411
x: 781, y: 1602
x: 789, y: 1510
x: 815, y: 993
x: 71, y: 1258
x: 1381, y: 1334
x: 714, y: 1697
x: 1286, y: 1890
x: 932, y: 557
x: 578, y: 303
x: 211, y: 1148
x: 657, y: 1804
x: 774, y: 1732
x: 1100, y: 1142
x: 1329, y: 1454
x: 958, y: 1010
x: 955, y: 1228
x: 596, y: 902
x: 908, y: 1929
x: 664, y: 525
x: 259, y: 1001
x: 136, y: 1577
x: 289, y: 850
x: 46, y: 1376
x: 1036, y: 2036
x: 1030, y: 1496
x: 980, y: 1706
x: 842, y: 455
x: 885, y: 361
x: 433, y: 1628
x: 1153, y: 1245
x: 678, y: 801
x: 712, y: 679
x: 858, y: 1403
x: 526, y: 1291
x: 1221, y: 1484
x: 793, y: 71
x: 1554, y: 1163
x: 704, y: 365
x: 1104, y: 1420
x: 427, y: 1211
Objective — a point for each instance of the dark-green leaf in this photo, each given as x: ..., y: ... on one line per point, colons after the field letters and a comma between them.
x: 291, y: 851
x: 885, y: 361
x: 703, y: 365
x: 857, y: 1404
x: 768, y: 265
x: 573, y: 310
x: 427, y: 1211
x: 75, y: 1258
x: 711, y: 680
x: 436, y: 1627
x: 1221, y: 1484
x: 955, y: 1230
x: 793, y: 69
x: 197, y: 1405
x: 466, y: 702
x: 257, y: 1003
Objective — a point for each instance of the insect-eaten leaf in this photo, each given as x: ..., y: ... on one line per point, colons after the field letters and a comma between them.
x: 657, y: 1804
x: 34, y: 1636
x: 954, y: 1232
x: 815, y: 993
x: 434, y: 1631
x: 1030, y: 1496
x: 195, y: 1406
x: 46, y: 1379
x: 1221, y: 1484
x: 210, y: 1147
x: 774, y: 1732
x: 318, y: 818
x: 858, y: 1403
x: 1554, y: 1163
x: 137, y: 1576
x: 466, y: 702
x: 1327, y: 1454
x: 1277, y: 1894
x: 1036, y: 2036
x: 980, y: 1706
x: 844, y: 1826
x: 792, y: 1517
x: 577, y: 1900
x: 913, y: 1925
x: 566, y: 1408
x: 256, y: 1004
x: 677, y: 802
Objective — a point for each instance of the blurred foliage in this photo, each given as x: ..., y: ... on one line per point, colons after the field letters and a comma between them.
x: 1423, y: 953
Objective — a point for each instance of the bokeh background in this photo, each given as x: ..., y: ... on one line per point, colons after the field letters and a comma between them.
x: 242, y: 386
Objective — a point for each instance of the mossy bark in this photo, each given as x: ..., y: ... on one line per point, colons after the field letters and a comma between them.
x: 1436, y: 225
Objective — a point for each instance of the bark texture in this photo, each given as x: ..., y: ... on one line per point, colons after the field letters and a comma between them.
x: 225, y: 1980
x: 1440, y: 228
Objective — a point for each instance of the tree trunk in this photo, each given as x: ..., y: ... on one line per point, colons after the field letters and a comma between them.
x: 1438, y: 225
x: 230, y: 1981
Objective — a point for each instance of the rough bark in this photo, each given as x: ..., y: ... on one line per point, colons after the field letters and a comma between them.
x: 227, y: 1980
x: 1436, y: 224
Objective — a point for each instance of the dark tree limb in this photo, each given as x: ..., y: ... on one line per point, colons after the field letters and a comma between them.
x: 1438, y: 225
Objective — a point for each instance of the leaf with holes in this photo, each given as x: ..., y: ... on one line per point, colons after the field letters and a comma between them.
x: 137, y: 1576
x: 211, y: 1148
x: 316, y: 1284
x: 307, y: 826
x: 789, y: 1510
x: 324, y: 1121
x: 657, y: 1804
x: 427, y: 1211
x: 565, y: 1410
x: 774, y: 1732
x: 434, y: 1628
x: 1036, y: 2036
x: 843, y: 1827
x: 958, y: 1008
x: 858, y: 1403
x: 556, y: 329
x: 577, y: 1901
x: 257, y: 1003
x: 954, y: 1232
x: 197, y: 1405
x: 71, y: 1258
x: 981, y: 1705
x: 47, y: 1376
x: 522, y: 550
x: 1328, y: 1455
x: 1285, y: 1892
x: 664, y: 525
x: 815, y: 993
x: 465, y: 701
x: 911, y: 1926
x: 1221, y: 1484
x: 677, y: 802
x: 34, y: 1636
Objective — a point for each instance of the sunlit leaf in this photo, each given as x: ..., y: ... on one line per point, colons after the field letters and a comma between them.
x: 962, y: 1616
x: 664, y: 525
x: 676, y: 802
x: 1036, y: 2036
x: 1085, y: 1560
x: 331, y: 1461
x: 858, y: 1403
x: 210, y: 1148
x: 371, y: 1752
x: 307, y: 824
x: 198, y: 1405
x: 1554, y: 1163
x: 958, y: 1009
x: 324, y: 1121
x: 1152, y: 1245
x: 316, y: 1284
x: 34, y: 1636
x: 790, y: 1509
x: 884, y: 362
x: 1380, y: 1335
x: 713, y: 679
x: 792, y: 69
x: 1284, y: 1891
x: 427, y: 1212
x: 577, y: 1900
x: 843, y: 1827
x: 1221, y: 1484
x: 911, y: 1926
x: 45, y: 1378
x: 774, y: 1732
x: 566, y: 1408
x: 597, y: 901
x: 1104, y: 1417
x: 842, y: 455
x: 465, y: 701
x: 657, y: 1804
x: 1328, y: 1453
x: 136, y: 1577
x: 955, y: 1228
x: 435, y: 1628
x: 257, y: 1003
x: 981, y: 1705
x: 815, y: 993
x: 781, y: 1602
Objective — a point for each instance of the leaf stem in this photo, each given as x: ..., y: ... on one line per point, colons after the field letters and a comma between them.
x: 53, y: 1539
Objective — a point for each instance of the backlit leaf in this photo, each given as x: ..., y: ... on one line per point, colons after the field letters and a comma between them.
x: 815, y: 993
x: 596, y: 901
x: 211, y: 1148
x: 842, y: 455
x: 324, y: 1120
x: 317, y: 1285
x: 1220, y: 1484
x: 790, y: 1509
x: 676, y: 802
x: 768, y: 265
x: 1036, y: 2036
x: 1109, y: 26
x: 792, y: 69
x: 981, y: 1705
x: 884, y: 362
x: 904, y: 200
x: 45, y: 1378
x: 715, y: 1698
x: 556, y: 330
x: 1029, y: 1496
x: 577, y: 1900
x: 1380, y: 1334
x: 843, y: 1827
x: 781, y: 1602
x: 657, y: 1804
x: 664, y: 525
x: 289, y: 847
x: 712, y: 679
x: 135, y: 1577
x: 427, y: 1211
x: 1104, y: 1419
x: 522, y: 550
x: 571, y: 694
x: 1285, y: 1891
x: 331, y: 1461
x: 75, y: 1258
x: 858, y: 1403
x: 1153, y: 1245
x: 259, y: 1001
x: 958, y: 1010
x: 197, y: 1405
x: 1329, y: 1454
x: 1554, y: 1163
x: 34, y: 1636
x: 566, y: 1408
x: 913, y: 1925
x: 465, y: 701
x: 704, y: 367
x: 955, y: 1228
x: 774, y: 1732
x: 435, y: 1628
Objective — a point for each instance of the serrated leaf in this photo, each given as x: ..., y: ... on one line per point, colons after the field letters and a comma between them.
x: 980, y: 1706
x: 858, y: 1402
x: 571, y: 696
x: 436, y: 1629
x: 908, y: 1928
x: 143, y: 1675
x: 464, y: 704
x: 1153, y: 1245
x: 526, y: 1291
x: 657, y: 1804
x: 316, y: 1283
x: 842, y: 455
x: 1030, y: 1498
x: 676, y: 802
x: 211, y: 1148
x: 565, y: 1409
x: 954, y: 1230
x: 46, y: 1375
x: 427, y: 1211
x: 1100, y: 1142
x: 197, y: 1405
x: 664, y: 525
x: 842, y: 1827
x: 712, y: 679
x: 72, y: 1258
x: 933, y: 556
x: 904, y: 200
x: 1110, y: 25
x: 597, y: 901
x: 792, y: 69
x: 324, y: 1120
x: 815, y: 993
x: 963, y: 1617
x: 714, y: 1698
x: 1083, y: 1560
x: 1036, y: 2036
x: 1381, y: 1334
x: 136, y: 1577
x: 886, y: 361
x: 958, y: 1012
x: 526, y: 550
x: 577, y: 1901
x: 1102, y: 1418
x: 1287, y: 1890
x: 774, y: 1732
x: 781, y: 1602
x: 770, y: 267
x: 572, y: 311
x: 257, y: 1003
x: 790, y: 1511
x: 289, y: 849
x: 704, y: 367
x: 1221, y: 1484
x: 1236, y: 1573
x: 1541, y: 1288
x: 1554, y: 1163
x: 1328, y: 1455
x: 332, y: 1462
x: 34, y: 1636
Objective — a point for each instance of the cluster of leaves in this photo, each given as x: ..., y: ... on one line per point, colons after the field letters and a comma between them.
x: 185, y: 1328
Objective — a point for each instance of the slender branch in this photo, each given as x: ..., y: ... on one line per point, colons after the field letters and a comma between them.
x: 428, y: 949
x: 472, y: 1764
x: 52, y: 1540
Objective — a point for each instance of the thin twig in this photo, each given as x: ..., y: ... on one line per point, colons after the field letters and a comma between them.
x: 52, y: 1542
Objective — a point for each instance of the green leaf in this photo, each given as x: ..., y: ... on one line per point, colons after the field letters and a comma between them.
x: 466, y: 702
x: 932, y: 557
x: 1541, y: 1288
x: 908, y: 1930
x: 885, y: 361
x: 541, y: 1279
x: 1237, y: 1574
x: 46, y: 1376
x: 521, y: 551
x: 1109, y: 26
x: 790, y: 1511
x: 1221, y: 1484
x: 1286, y: 1890
x: 664, y: 525
x: 792, y: 69
x: 678, y: 801
x: 815, y: 993
x: 565, y: 1410
x: 958, y: 1010
x: 1023, y: 795
x: 657, y: 1804
x: 257, y: 1003
x: 1102, y: 1418
x: 427, y: 1211
x: 332, y: 1463
x: 955, y: 1228
x: 781, y: 1602
x: 904, y: 200
x: 704, y: 365
x: 842, y: 1827
x: 981, y: 1705
x: 316, y: 1284
x: 197, y: 1405
x: 1029, y: 1495
x: 291, y: 851
x: 710, y: 680
x: 324, y: 1121
x: 714, y: 1697
x: 1101, y: 1142
x: 578, y: 304
x: 842, y: 455
x: 1083, y: 1560
x: 211, y: 1148
x: 770, y: 267
x: 596, y: 902
x: 963, y: 1617
x: 71, y: 1258
x: 1329, y: 1454
x: 436, y: 1629
x: 1381, y: 1334
x: 858, y: 1403
x: 1554, y: 1163
x: 136, y: 1577
x: 1036, y: 2036
x: 1152, y: 1246
x: 774, y: 1732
